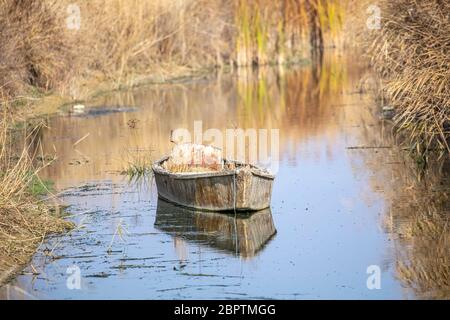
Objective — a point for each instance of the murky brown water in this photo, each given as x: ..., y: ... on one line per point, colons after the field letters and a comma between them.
x: 339, y: 205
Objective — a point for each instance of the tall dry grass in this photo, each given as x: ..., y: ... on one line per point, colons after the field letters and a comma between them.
x: 126, y: 41
x: 411, y: 54
x: 34, y: 48
x: 146, y: 37
x: 117, y: 40
x: 24, y: 221
x: 281, y: 31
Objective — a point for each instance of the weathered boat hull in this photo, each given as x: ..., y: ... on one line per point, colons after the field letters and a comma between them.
x: 240, y: 190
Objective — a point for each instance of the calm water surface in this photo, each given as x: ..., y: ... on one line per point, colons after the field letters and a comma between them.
x: 326, y: 226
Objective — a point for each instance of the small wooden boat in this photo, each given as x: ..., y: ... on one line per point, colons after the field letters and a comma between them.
x: 242, y: 234
x: 236, y: 187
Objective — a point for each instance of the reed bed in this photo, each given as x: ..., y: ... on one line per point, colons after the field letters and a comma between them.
x: 35, y: 51
x: 24, y: 221
x: 49, y: 45
x: 277, y: 32
x: 147, y: 37
x: 411, y: 54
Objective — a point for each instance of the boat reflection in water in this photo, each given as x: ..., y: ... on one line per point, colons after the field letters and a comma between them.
x: 242, y: 234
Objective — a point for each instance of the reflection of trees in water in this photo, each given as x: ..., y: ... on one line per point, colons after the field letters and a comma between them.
x: 417, y: 216
x: 295, y: 101
x: 421, y: 219
x: 278, y: 96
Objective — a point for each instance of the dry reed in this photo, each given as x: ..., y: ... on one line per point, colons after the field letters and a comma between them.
x: 35, y: 50
x: 125, y: 42
x: 24, y: 221
x: 280, y: 31
x: 411, y: 54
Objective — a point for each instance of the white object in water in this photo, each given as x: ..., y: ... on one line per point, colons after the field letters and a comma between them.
x: 78, y: 108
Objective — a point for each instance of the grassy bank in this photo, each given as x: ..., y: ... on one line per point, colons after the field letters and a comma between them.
x: 411, y: 55
x: 66, y: 48
x: 24, y: 220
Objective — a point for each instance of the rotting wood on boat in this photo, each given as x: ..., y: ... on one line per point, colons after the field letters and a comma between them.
x: 235, y: 187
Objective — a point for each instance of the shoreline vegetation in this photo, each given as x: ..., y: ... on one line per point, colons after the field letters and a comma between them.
x: 56, y: 52
x: 25, y: 220
x: 411, y: 55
